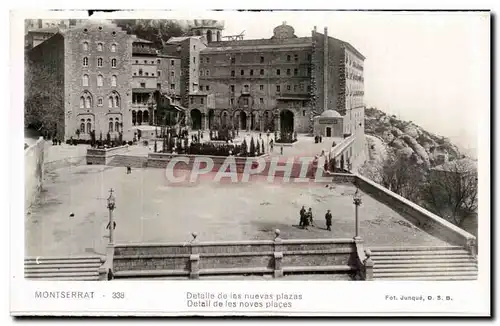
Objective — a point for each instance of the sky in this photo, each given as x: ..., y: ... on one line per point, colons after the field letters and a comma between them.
x: 429, y: 68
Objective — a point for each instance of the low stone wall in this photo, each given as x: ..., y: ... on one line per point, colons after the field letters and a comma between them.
x: 277, y: 257
x: 341, y: 177
x: 104, y: 156
x: 340, y: 148
x: 33, y: 171
x: 63, y: 163
x: 427, y: 221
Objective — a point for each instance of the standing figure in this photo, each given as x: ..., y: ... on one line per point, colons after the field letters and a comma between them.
x: 271, y: 145
x: 302, y: 216
x: 328, y: 218
x: 310, y: 217
x: 281, y: 149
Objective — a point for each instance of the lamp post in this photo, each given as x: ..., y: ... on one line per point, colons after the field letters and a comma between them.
x: 111, y: 207
x: 357, y: 202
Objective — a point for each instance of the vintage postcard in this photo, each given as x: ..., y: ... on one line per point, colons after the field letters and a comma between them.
x: 271, y: 163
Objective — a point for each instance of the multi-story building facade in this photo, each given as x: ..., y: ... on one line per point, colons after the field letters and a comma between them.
x: 280, y: 83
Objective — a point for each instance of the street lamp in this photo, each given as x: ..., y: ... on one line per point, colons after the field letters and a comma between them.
x: 357, y: 201
x: 112, y: 224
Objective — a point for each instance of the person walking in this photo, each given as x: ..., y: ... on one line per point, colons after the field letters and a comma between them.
x: 281, y: 150
x: 302, y: 216
x: 328, y: 218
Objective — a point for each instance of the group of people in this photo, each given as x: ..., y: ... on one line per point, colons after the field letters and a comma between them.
x: 306, y: 218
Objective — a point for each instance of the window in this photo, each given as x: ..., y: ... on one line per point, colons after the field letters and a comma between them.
x: 207, y: 72
x: 309, y: 70
x: 251, y: 72
x: 172, y: 62
x: 110, y: 125
x: 245, y: 101
x: 194, y: 59
x: 172, y: 74
x: 152, y: 62
x: 99, y: 80
x: 158, y: 85
x: 85, y: 80
x: 113, y: 47
x: 308, y: 88
x: 99, y: 46
x: 242, y: 72
x: 147, y: 73
x: 113, y: 63
x: 261, y: 87
x: 261, y: 100
x: 99, y: 101
x: 296, y: 57
x: 295, y: 72
x: 172, y: 86
x: 85, y: 46
x: 145, y: 61
x: 117, y: 125
x: 233, y: 60
x: 309, y: 57
x: 261, y: 59
x: 113, y: 81
x: 295, y: 87
x: 262, y: 72
x: 82, y: 102
x: 303, y: 113
x: 201, y: 87
x: 232, y: 73
x: 82, y: 125
x: 89, y: 126
x: 114, y: 100
x: 278, y: 72
x: 158, y: 73
x: 202, y: 100
x: 246, y: 88
x: 158, y: 61
x: 288, y: 58
x: 136, y: 61
x: 207, y: 87
x: 143, y: 85
x: 99, y: 62
x: 288, y: 72
x: 85, y: 100
x: 232, y: 101
x: 140, y: 72
x: 201, y: 72
x: 85, y: 62
x: 288, y: 87
x: 278, y: 88
x: 191, y: 100
x: 232, y: 88
x: 208, y: 60
x: 194, y: 47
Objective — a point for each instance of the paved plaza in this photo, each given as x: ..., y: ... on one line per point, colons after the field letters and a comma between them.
x: 70, y: 216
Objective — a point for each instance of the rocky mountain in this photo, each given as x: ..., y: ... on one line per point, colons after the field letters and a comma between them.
x: 387, y: 135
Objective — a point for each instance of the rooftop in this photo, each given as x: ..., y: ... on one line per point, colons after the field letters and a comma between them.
x: 141, y: 40
x: 330, y: 114
x: 179, y: 39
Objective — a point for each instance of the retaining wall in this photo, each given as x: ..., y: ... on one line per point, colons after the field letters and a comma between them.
x: 33, y: 171
x: 105, y: 155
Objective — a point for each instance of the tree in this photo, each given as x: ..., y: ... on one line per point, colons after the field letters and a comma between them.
x: 452, y: 190
x: 157, y: 31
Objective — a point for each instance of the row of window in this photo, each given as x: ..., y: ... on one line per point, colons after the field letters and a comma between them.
x: 143, y: 85
x: 158, y: 73
x: 113, y: 125
x: 100, y: 80
x: 152, y: 62
x: 246, y: 88
x: 262, y: 59
x: 261, y: 72
x: 86, y: 101
x: 100, y: 46
x: 100, y: 62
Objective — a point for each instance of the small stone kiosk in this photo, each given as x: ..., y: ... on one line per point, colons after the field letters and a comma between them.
x: 329, y: 124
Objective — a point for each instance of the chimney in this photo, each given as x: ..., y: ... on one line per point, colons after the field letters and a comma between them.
x: 325, y: 70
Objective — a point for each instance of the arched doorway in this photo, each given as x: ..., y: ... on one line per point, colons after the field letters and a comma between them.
x: 224, y: 120
x: 196, y: 119
x: 209, y: 36
x: 145, y: 117
x: 218, y: 36
x: 134, y: 118
x: 139, y: 118
x: 243, y: 120
x: 286, y: 121
x: 211, y: 117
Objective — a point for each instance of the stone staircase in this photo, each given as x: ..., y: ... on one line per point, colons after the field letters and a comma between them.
x: 63, y: 268
x: 134, y: 161
x: 423, y: 263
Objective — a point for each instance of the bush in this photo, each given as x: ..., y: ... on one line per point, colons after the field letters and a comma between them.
x: 130, y: 143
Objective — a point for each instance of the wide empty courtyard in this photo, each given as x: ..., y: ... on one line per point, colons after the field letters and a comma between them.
x: 70, y: 216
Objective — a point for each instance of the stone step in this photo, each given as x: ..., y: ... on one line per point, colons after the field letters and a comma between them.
x: 421, y: 256
x: 415, y: 248
x: 65, y: 266
x: 419, y: 273
x: 62, y: 261
x: 36, y: 274
x: 68, y: 269
x: 431, y: 278
x: 424, y: 261
x: 423, y: 252
x: 419, y: 269
x: 69, y: 278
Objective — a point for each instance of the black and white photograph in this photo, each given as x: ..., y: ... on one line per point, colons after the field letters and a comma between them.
x: 334, y: 146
